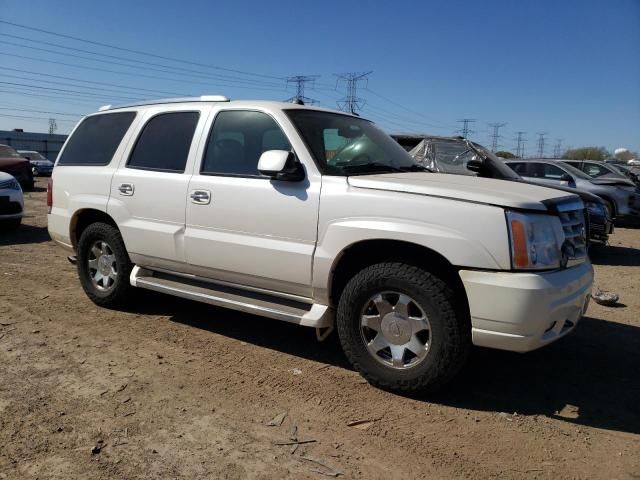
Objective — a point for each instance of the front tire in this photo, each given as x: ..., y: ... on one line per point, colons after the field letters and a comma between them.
x: 104, y: 265
x: 399, y: 327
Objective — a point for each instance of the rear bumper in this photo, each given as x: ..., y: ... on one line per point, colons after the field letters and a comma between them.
x: 524, y: 311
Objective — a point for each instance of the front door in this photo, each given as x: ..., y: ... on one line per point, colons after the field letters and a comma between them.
x: 243, y: 227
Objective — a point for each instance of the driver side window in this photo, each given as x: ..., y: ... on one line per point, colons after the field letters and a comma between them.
x: 236, y: 141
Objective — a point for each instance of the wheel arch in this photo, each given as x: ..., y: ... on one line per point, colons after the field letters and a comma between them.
x: 83, y: 218
x: 364, y: 253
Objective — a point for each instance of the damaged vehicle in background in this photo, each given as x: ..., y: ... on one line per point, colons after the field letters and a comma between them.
x: 458, y: 155
x: 596, y: 169
x: 13, y: 163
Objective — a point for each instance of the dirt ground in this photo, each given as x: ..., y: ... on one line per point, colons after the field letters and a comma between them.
x: 175, y: 389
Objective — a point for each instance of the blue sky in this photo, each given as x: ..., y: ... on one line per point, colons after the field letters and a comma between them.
x: 567, y: 67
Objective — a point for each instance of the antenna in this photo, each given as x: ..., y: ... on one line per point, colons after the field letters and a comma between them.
x: 541, y: 144
x: 465, y: 131
x: 520, y: 148
x: 496, y: 135
x: 300, y: 81
x: 351, y: 102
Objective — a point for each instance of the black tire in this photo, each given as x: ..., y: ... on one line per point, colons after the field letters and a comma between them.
x: 118, y: 294
x: 450, y: 340
x: 10, y: 225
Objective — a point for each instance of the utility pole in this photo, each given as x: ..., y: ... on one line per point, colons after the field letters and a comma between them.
x: 300, y: 81
x: 53, y: 126
x: 465, y: 131
x: 557, y: 150
x: 520, y: 148
x: 541, y: 144
x: 351, y: 102
x: 496, y: 135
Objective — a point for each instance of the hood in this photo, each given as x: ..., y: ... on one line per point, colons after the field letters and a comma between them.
x: 41, y: 162
x: 612, y: 180
x: 12, y: 162
x: 461, y: 187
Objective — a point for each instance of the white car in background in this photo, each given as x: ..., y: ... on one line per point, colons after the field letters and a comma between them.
x: 11, y: 202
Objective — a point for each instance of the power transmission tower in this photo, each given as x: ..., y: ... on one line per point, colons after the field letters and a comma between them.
x: 465, y: 131
x: 300, y: 81
x: 53, y: 126
x: 520, y: 148
x: 557, y: 149
x: 496, y: 135
x: 351, y: 102
x: 541, y: 144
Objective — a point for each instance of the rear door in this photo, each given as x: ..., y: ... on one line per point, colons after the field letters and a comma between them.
x: 545, y: 174
x: 149, y: 190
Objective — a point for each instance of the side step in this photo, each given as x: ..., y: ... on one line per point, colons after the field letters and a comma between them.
x: 316, y: 315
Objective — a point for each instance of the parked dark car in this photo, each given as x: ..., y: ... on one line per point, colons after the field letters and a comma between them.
x: 597, y: 169
x: 457, y: 155
x: 41, y: 166
x: 13, y: 163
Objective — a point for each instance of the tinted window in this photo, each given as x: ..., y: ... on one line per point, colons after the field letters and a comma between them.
x: 519, y: 167
x: 96, y: 139
x: 165, y: 142
x: 550, y: 172
x: 595, y: 170
x: 237, y: 140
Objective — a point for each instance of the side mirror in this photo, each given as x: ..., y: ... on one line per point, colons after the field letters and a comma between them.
x: 280, y: 165
x: 474, y: 165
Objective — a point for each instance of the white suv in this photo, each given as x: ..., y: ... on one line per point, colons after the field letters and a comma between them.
x: 318, y: 218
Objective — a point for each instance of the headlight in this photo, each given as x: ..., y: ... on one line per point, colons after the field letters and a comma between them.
x: 14, y: 185
x: 535, y: 241
x: 595, y: 208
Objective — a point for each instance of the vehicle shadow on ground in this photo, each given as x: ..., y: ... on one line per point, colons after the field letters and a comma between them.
x: 588, y: 378
x: 23, y: 235
x: 615, y: 256
x: 595, y: 369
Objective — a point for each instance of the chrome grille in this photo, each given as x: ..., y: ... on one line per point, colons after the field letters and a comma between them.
x: 574, y: 247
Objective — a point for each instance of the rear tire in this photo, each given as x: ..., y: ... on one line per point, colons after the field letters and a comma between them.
x: 445, y: 331
x: 104, y: 265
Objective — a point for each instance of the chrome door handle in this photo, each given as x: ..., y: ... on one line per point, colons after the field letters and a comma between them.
x: 126, y: 189
x: 200, y: 197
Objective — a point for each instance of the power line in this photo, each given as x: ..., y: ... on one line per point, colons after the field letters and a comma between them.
x: 53, y: 126
x: 63, y: 90
x: 33, y: 118
x: 41, y: 111
x: 541, y: 136
x: 138, y: 52
x: 496, y: 135
x: 465, y: 131
x: 300, y: 81
x: 521, y: 141
x: 441, y: 126
x: 351, y: 102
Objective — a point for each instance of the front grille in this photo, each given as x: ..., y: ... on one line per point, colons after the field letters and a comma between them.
x: 574, y: 248
x: 6, y: 183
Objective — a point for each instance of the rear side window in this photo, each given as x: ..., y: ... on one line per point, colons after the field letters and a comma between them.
x: 96, y: 139
x: 519, y: 167
x: 164, y: 142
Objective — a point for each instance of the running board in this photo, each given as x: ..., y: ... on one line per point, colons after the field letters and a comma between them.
x: 316, y: 315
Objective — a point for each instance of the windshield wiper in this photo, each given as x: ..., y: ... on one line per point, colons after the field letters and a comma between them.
x: 416, y: 168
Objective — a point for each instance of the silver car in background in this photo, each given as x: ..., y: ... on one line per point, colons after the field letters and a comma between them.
x: 621, y: 197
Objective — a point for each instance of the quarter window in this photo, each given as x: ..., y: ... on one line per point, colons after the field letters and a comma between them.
x: 237, y: 140
x: 96, y: 139
x: 164, y: 142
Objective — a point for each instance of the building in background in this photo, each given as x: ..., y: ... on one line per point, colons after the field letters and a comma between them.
x: 47, y: 144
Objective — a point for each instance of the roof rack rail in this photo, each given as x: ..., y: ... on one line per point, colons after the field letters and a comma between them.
x: 201, y: 98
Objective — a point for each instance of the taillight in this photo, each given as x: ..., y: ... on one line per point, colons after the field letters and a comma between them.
x: 49, y: 194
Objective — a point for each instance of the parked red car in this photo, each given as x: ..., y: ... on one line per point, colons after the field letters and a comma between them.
x: 13, y: 163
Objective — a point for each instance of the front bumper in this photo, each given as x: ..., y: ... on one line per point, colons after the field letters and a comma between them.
x: 11, y: 204
x: 524, y: 311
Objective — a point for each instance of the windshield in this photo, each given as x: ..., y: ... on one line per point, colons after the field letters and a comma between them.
x: 7, y: 151
x: 33, y: 155
x: 575, y: 172
x: 346, y: 145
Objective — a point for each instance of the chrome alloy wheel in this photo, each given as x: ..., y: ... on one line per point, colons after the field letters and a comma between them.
x: 102, y: 266
x: 395, y: 330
